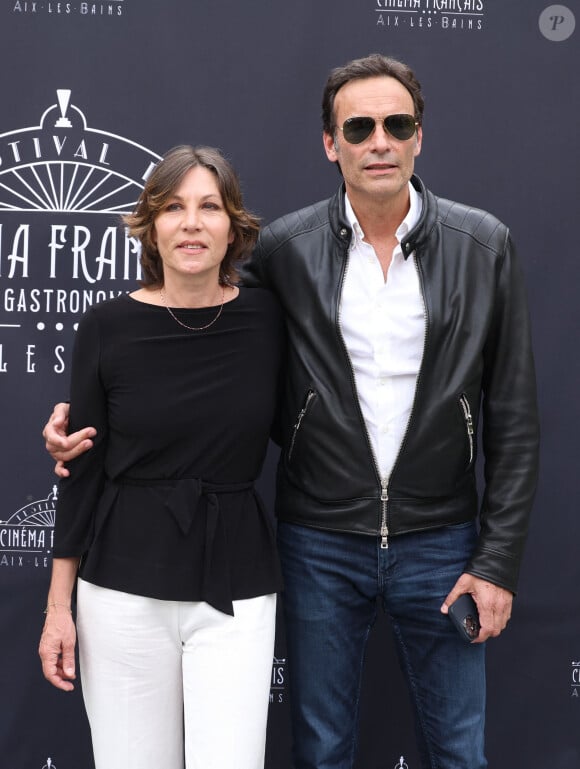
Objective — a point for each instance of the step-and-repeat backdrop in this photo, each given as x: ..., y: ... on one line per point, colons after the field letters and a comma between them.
x: 93, y: 92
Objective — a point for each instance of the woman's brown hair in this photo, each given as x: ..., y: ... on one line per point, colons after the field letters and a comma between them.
x: 161, y: 185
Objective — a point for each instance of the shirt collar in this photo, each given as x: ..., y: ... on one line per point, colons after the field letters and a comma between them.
x: 410, y: 220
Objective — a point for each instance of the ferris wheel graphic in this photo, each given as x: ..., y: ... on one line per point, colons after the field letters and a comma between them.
x: 41, y: 512
x: 66, y: 186
x: 62, y: 165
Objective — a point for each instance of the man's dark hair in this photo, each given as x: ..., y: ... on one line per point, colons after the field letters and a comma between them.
x: 374, y: 65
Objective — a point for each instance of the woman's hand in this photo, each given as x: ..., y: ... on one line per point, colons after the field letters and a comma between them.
x: 57, y: 647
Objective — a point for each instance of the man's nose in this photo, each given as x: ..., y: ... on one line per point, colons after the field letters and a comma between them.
x: 380, y: 139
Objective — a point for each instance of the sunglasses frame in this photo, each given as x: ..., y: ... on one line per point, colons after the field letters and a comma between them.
x: 383, y: 122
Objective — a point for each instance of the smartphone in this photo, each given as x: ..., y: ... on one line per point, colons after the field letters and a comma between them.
x: 464, y: 615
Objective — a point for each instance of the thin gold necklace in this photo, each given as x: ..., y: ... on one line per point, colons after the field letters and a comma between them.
x: 193, y: 328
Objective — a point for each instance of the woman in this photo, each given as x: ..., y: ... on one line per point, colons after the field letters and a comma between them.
x: 159, y: 526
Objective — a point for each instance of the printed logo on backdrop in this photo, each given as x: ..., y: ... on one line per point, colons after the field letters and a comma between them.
x: 576, y: 679
x: 278, y: 682
x: 557, y: 23
x: 449, y: 15
x: 26, y: 536
x: 58, y: 8
x: 63, y: 187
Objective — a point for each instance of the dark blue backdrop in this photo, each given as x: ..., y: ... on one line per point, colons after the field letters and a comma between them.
x: 500, y: 80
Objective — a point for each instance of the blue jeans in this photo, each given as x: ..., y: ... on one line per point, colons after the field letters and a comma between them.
x: 332, y: 582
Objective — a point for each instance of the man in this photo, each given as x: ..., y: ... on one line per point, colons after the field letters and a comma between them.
x: 407, y: 321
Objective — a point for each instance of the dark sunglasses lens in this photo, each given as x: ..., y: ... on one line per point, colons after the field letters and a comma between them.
x: 357, y: 129
x: 402, y: 127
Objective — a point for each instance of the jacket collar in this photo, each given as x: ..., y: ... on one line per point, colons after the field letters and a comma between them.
x: 414, y: 238
x: 421, y: 231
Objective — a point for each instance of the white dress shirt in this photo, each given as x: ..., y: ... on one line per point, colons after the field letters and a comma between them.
x: 383, y: 325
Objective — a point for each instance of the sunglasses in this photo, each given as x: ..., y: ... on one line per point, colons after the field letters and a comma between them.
x: 356, y: 129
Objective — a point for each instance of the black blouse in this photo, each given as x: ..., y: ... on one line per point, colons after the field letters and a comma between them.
x: 163, y: 505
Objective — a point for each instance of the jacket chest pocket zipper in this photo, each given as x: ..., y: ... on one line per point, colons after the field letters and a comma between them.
x: 468, y: 424
x: 302, y: 413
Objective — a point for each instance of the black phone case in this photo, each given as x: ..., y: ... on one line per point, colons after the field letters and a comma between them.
x: 464, y: 615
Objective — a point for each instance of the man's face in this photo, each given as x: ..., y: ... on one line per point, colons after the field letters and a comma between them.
x: 379, y: 168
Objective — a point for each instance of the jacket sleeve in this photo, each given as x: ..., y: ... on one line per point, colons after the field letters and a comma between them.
x: 510, y: 432
x: 79, y: 493
x: 254, y: 274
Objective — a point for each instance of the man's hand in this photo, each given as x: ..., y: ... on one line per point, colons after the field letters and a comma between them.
x: 61, y: 446
x: 494, y: 604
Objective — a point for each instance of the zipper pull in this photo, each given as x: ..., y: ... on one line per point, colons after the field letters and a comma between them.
x: 384, y: 527
x: 469, y: 420
x: 467, y: 412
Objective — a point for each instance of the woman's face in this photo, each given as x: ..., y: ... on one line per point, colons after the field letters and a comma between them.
x: 193, y: 230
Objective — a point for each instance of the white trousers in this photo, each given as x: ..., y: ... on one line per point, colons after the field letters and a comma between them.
x: 168, y: 682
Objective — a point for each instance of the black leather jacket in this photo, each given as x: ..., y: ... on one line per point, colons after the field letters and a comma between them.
x: 477, y: 361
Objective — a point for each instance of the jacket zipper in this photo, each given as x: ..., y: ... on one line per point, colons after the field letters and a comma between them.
x: 385, y: 482
x: 384, y: 529
x: 384, y: 503
x: 468, y: 423
x: 302, y: 413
